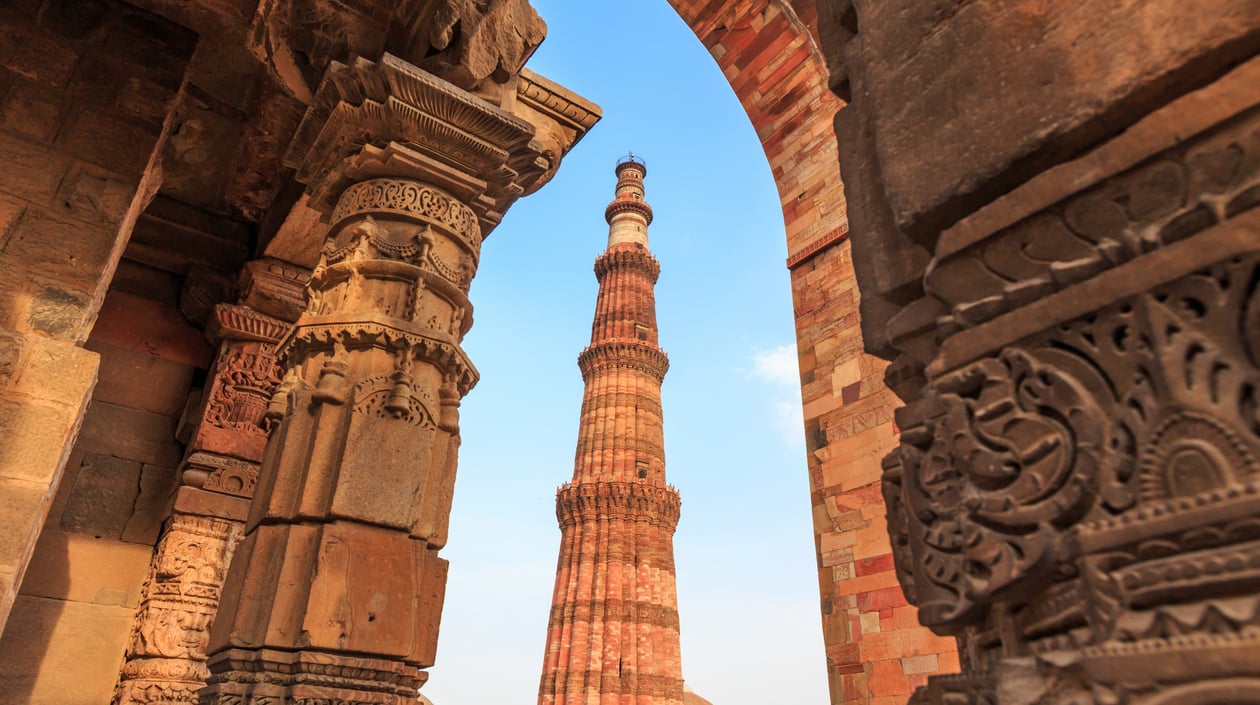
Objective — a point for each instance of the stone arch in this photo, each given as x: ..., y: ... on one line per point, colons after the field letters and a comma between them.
x: 771, y: 54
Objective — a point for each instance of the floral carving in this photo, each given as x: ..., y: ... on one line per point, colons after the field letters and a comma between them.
x: 245, y: 382
x: 412, y: 199
x: 1012, y: 457
x: 1094, y: 489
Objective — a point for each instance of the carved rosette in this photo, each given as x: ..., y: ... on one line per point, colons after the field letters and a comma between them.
x: 166, y: 657
x: 1079, y: 504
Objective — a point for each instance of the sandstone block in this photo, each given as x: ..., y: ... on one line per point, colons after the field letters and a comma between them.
x: 59, y: 313
x: 57, y: 372
x: 22, y: 506
x: 164, y: 333
x: 1052, y: 78
x: 886, y: 678
x: 190, y: 500
x: 103, y: 496
x: 152, y: 503
x: 141, y: 380
x: 39, y: 434
x: 79, y: 568
x: 64, y: 249
x: 40, y: 167
x: 32, y: 112
x: 46, y: 639
x: 362, y: 595
x: 133, y: 434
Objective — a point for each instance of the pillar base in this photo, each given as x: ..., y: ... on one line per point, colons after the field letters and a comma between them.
x: 270, y: 677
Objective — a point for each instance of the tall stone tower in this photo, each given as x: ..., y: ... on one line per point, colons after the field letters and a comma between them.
x: 613, y: 632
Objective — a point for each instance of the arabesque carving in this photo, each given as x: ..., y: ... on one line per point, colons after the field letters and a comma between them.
x: 243, y: 386
x: 1087, y: 496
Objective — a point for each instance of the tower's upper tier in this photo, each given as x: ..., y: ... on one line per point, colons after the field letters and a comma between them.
x: 628, y: 215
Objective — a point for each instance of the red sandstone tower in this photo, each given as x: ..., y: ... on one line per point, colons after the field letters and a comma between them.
x: 613, y: 634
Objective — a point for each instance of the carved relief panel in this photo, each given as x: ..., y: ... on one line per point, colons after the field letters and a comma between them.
x: 1076, y: 493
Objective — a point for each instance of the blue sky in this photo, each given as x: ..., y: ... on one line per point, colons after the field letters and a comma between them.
x: 734, y: 446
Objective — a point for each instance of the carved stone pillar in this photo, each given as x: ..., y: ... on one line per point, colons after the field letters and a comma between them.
x: 336, y: 590
x: 1077, y: 489
x: 166, y: 659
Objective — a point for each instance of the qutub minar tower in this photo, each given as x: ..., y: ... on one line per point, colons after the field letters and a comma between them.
x: 613, y: 633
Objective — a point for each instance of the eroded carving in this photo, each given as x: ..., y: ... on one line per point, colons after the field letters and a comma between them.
x: 166, y: 657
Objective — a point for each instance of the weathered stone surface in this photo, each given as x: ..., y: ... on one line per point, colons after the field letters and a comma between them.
x: 45, y: 639
x: 79, y: 568
x: 1009, y: 90
x: 103, y: 496
x: 470, y: 44
x: 165, y: 333
x: 124, y: 432
x: 37, y: 439
x: 141, y: 380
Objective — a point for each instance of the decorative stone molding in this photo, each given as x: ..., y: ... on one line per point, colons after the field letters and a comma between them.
x: 1075, y: 492
x: 600, y: 501
x: 816, y: 246
x: 216, y: 473
x: 411, y: 199
x: 639, y: 260
x: 483, y: 154
x: 628, y: 205
x: 355, y: 488
x: 274, y: 288
x: 630, y: 354
x: 241, y: 323
x: 165, y: 661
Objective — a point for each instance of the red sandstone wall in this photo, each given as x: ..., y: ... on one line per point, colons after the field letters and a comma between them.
x: 876, y: 651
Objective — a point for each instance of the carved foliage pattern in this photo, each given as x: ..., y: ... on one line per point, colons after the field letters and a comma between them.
x: 412, y: 199
x: 1146, y: 411
x: 246, y: 379
x: 1156, y: 203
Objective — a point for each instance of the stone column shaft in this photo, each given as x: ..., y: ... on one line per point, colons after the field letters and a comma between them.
x: 166, y: 659
x: 335, y: 593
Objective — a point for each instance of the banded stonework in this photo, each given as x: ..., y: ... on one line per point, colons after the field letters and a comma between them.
x: 613, y: 631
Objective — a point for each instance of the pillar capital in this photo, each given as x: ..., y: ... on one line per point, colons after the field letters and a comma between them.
x: 337, y: 584
x: 392, y: 119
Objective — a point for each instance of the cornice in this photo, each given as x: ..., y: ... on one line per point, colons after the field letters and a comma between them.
x: 460, y: 142
x: 628, y: 205
x: 557, y: 102
x: 634, y: 258
x: 241, y: 323
x: 617, y: 500
x: 624, y: 353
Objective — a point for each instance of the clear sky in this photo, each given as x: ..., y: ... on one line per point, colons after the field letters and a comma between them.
x: 747, y: 581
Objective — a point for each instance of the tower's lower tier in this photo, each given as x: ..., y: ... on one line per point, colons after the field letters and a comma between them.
x: 613, y: 630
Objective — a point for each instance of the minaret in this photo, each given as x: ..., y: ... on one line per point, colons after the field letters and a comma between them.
x: 613, y: 634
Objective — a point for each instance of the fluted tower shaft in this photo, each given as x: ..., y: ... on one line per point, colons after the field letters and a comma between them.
x: 613, y: 634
